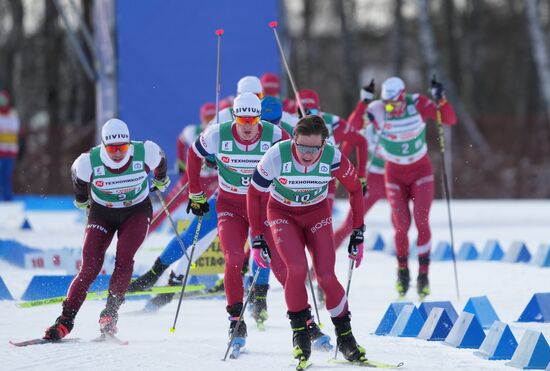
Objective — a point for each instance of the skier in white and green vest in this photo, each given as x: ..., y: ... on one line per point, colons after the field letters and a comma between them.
x: 110, y: 182
x: 400, y: 119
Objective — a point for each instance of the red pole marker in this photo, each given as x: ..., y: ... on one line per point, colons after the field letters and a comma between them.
x: 219, y: 31
x: 273, y: 24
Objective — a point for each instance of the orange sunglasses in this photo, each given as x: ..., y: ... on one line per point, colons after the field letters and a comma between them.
x: 242, y: 120
x: 114, y: 148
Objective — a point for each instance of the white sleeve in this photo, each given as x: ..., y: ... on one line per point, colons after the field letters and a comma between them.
x: 267, y: 169
x: 82, y: 167
x: 208, y: 142
x: 277, y: 134
x: 153, y: 154
x: 188, y: 135
x: 336, y: 159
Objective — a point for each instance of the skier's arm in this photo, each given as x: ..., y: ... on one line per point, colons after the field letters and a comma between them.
x: 354, y: 139
x: 207, y: 144
x: 81, y: 173
x: 428, y: 109
x: 155, y: 160
x: 266, y: 170
x: 343, y: 170
x: 355, y: 119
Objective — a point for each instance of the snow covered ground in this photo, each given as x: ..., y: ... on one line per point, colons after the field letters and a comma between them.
x: 200, y: 339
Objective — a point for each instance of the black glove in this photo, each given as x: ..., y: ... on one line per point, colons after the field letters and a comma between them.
x: 437, y: 90
x: 198, y: 204
x: 367, y: 92
x: 356, y: 239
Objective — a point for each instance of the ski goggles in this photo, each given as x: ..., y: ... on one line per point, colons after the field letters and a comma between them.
x: 243, y: 120
x: 114, y: 148
x: 313, y: 150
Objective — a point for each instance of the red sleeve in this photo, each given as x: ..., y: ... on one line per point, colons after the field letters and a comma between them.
x: 181, y: 149
x: 356, y: 119
x: 285, y: 135
x: 253, y: 209
x: 428, y: 109
x: 194, y: 164
x: 350, y: 139
x: 347, y: 175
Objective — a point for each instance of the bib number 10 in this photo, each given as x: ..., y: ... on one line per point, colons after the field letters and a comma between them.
x: 302, y: 198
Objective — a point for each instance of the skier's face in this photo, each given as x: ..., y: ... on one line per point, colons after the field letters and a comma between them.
x: 247, y: 127
x: 308, y: 148
x: 117, y: 151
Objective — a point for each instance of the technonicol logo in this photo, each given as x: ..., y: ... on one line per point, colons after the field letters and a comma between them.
x: 225, y: 159
x: 99, y: 183
x: 283, y: 181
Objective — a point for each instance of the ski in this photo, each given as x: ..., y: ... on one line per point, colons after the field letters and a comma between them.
x: 322, y: 344
x: 103, y: 295
x: 366, y: 363
x: 40, y: 341
x: 110, y: 338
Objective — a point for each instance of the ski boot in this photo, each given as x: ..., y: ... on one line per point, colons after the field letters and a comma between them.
x: 403, y: 279
x: 259, y: 309
x: 319, y: 340
x: 149, y: 278
x: 109, y: 316
x: 240, y: 333
x: 345, y: 340
x: 62, y: 326
x: 218, y: 287
x: 161, y: 300
x: 300, y: 337
x: 422, y: 282
x: 423, y: 285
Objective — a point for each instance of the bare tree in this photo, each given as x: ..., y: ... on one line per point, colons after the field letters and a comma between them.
x: 12, y: 46
x: 397, y: 38
x: 350, y: 83
x: 431, y: 57
x: 540, y: 52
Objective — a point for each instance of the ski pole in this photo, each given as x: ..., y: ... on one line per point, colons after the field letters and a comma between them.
x: 169, y: 203
x: 219, y: 33
x: 314, y: 298
x: 273, y: 25
x: 195, y: 240
x: 167, y: 212
x: 350, y: 273
x: 236, y: 329
x: 445, y: 183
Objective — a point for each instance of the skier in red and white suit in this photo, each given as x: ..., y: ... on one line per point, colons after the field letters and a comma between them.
x: 238, y: 146
x: 296, y: 174
x: 401, y: 120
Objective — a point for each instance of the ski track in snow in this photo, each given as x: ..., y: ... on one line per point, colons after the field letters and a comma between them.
x: 201, y: 337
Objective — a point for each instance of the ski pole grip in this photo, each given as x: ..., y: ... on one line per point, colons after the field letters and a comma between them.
x: 219, y: 31
x: 273, y: 24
